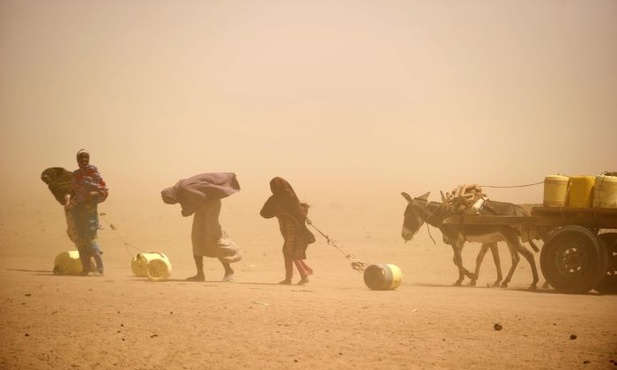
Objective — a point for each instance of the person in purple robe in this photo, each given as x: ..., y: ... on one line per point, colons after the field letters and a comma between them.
x: 200, y: 196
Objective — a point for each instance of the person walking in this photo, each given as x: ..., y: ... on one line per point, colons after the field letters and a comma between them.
x: 292, y: 218
x: 200, y: 196
x: 89, y: 189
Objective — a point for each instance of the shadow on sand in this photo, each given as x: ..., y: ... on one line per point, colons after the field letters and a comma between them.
x: 522, y: 290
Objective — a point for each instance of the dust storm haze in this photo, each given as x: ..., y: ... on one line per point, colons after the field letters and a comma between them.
x: 348, y: 100
x: 352, y: 102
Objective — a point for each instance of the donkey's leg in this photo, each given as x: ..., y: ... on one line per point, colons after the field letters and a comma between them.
x: 479, y: 259
x: 515, y: 260
x: 458, y: 262
x: 532, y: 262
x: 497, y: 260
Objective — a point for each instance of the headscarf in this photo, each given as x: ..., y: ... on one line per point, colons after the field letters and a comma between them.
x: 192, y: 192
x: 58, y: 181
x: 80, y: 152
x: 284, y: 201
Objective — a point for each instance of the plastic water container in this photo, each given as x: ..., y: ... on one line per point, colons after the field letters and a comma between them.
x: 67, y: 263
x: 140, y: 263
x: 382, y: 276
x: 580, y: 191
x: 605, y: 192
x: 159, y: 270
x: 555, y: 190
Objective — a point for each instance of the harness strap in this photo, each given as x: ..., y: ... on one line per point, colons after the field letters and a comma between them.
x: 428, y: 215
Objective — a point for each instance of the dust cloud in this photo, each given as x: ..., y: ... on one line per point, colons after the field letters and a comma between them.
x: 351, y: 102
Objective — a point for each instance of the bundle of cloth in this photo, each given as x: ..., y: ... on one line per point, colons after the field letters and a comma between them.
x: 58, y: 181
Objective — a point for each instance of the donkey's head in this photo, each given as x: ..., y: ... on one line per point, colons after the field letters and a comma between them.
x: 415, y: 215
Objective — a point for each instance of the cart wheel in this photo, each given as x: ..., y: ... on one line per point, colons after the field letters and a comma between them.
x: 608, y: 285
x: 573, y: 260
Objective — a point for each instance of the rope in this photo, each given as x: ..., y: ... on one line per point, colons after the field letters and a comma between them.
x: 115, y: 229
x: 355, y: 263
x: 428, y: 229
x: 511, y: 186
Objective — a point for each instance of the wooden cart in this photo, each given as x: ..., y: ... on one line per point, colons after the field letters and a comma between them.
x: 580, y: 245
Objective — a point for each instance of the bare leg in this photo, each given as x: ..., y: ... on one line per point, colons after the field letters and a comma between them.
x: 229, y: 272
x: 199, y: 264
x: 288, y: 271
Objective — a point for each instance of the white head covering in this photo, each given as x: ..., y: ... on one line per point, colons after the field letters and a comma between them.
x: 82, y: 151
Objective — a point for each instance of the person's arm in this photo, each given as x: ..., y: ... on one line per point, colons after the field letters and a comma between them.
x: 67, y: 201
x: 269, y: 208
x: 100, y: 193
x: 190, y: 199
x: 304, y: 209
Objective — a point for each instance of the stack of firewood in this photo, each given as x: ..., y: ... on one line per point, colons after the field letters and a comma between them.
x: 463, y: 198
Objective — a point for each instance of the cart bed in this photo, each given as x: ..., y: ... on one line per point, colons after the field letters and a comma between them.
x: 605, y: 218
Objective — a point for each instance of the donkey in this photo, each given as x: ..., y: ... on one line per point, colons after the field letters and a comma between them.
x: 419, y: 210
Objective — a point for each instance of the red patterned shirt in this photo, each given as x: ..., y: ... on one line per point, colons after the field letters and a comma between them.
x: 87, y: 180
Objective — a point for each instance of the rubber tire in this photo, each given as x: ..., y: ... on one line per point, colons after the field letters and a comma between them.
x: 573, y: 260
x: 608, y: 285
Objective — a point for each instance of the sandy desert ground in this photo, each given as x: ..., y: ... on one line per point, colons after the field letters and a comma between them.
x: 120, y: 321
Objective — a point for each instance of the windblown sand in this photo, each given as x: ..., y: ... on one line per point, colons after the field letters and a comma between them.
x: 120, y: 321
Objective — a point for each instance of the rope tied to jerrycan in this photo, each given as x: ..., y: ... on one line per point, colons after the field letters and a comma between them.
x: 114, y: 228
x: 355, y: 263
x: 153, y: 265
x: 376, y: 276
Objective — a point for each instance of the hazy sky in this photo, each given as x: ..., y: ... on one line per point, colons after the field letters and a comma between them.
x: 367, y: 97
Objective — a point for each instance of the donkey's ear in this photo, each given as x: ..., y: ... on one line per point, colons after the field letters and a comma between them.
x: 443, y: 197
x: 407, y: 197
x: 425, y: 195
